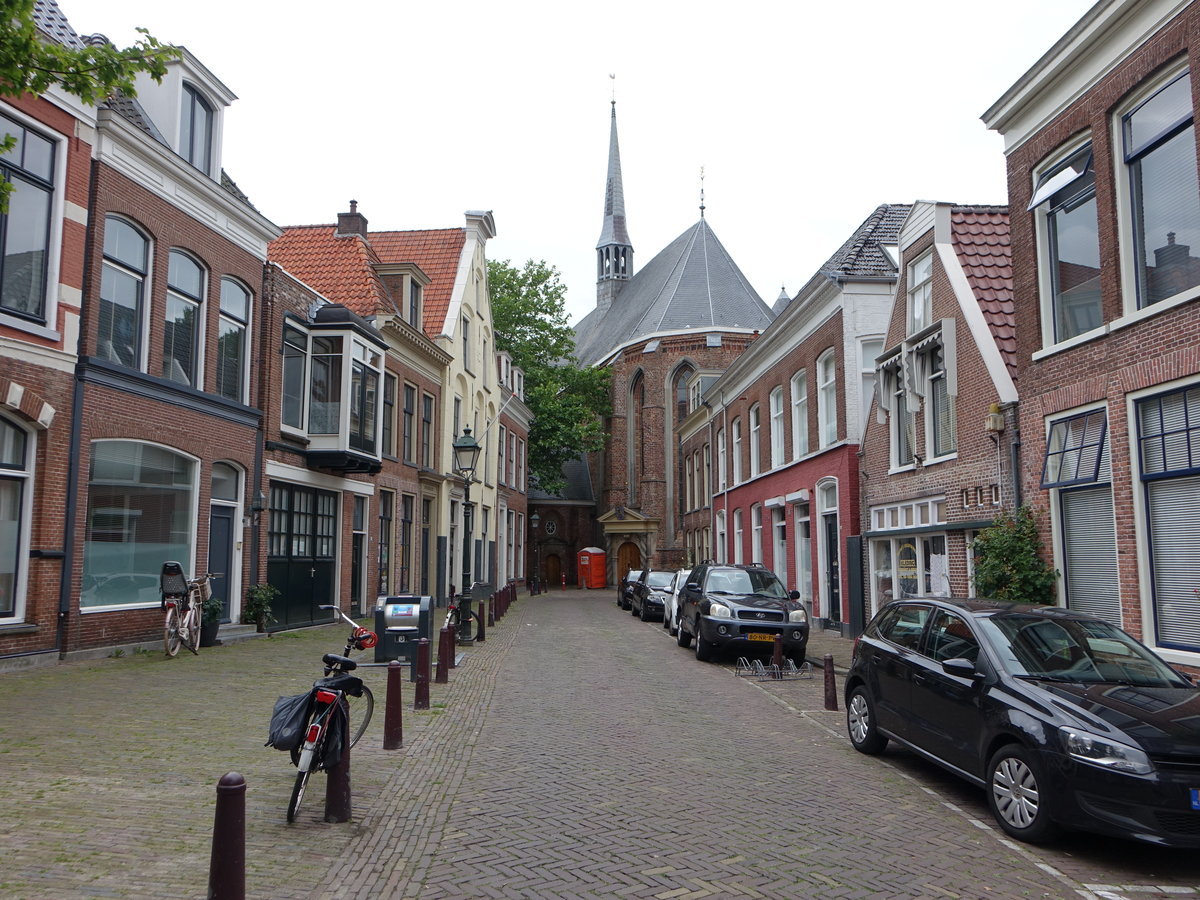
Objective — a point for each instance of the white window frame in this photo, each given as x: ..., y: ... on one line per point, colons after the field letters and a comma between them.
x: 25, y: 477
x: 736, y: 461
x: 737, y: 536
x: 920, y: 293
x: 755, y: 420
x: 827, y: 412
x: 799, y: 386
x: 722, y: 471
x: 777, y: 439
x: 756, y: 534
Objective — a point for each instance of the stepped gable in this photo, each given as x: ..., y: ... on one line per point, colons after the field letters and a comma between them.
x: 692, y: 284
x: 981, y: 241
x: 437, y: 252
x: 338, y: 267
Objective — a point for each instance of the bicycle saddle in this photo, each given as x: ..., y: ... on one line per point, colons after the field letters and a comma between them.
x: 343, y: 663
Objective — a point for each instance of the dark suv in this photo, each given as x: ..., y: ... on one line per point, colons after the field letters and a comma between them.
x: 740, y: 607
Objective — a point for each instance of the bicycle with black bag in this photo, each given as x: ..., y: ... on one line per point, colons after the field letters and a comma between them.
x: 317, y: 726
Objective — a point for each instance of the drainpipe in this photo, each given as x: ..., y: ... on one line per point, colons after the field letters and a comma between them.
x: 1015, y: 450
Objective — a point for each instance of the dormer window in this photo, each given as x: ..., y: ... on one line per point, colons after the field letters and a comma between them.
x: 196, y: 130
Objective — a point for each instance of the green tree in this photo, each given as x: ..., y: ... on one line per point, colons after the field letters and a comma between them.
x: 29, y: 64
x: 1008, y: 560
x: 568, y: 401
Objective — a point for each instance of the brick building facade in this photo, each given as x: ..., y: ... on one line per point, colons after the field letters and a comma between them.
x: 1102, y: 178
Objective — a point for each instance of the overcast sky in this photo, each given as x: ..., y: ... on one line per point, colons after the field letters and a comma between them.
x: 805, y: 116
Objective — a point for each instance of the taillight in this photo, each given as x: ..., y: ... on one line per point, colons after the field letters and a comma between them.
x: 314, y: 732
x: 326, y: 697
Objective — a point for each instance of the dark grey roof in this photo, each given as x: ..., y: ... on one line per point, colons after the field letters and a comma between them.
x: 130, y: 110
x: 613, y: 231
x: 691, y: 284
x: 862, y: 256
x: 52, y: 23
x: 578, y: 485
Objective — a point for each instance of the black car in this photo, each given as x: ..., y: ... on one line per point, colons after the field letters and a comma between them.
x: 740, y: 607
x: 625, y: 588
x: 1064, y: 719
x: 649, y: 594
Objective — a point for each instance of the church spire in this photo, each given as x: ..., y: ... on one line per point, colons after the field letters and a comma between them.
x: 614, y: 252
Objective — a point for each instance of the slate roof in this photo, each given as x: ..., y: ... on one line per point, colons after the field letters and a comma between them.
x: 437, y: 251
x: 693, y: 283
x: 578, y: 486
x: 337, y: 267
x: 52, y: 23
x: 981, y: 242
x: 862, y: 255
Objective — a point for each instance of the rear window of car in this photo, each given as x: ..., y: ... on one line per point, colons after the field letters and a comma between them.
x: 659, y: 579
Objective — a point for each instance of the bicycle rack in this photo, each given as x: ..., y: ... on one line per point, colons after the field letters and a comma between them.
x: 755, y: 668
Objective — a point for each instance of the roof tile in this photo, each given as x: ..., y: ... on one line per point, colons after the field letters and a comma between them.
x: 981, y: 241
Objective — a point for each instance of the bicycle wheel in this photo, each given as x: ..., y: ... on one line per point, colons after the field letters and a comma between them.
x: 190, y: 630
x: 359, y: 711
x: 171, y: 631
x: 297, y: 794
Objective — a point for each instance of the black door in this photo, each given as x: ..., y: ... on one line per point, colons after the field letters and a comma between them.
x: 302, y: 553
x: 220, y: 554
x: 833, y: 572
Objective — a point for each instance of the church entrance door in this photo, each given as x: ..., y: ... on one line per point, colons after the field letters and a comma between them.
x: 629, y: 556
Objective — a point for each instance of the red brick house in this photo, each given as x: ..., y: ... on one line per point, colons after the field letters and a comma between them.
x: 41, y: 299
x: 1105, y: 204
x: 938, y: 457
x: 167, y: 441
x: 771, y: 442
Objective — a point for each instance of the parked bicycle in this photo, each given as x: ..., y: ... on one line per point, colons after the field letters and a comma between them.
x: 461, y: 615
x: 316, y: 726
x: 183, y: 601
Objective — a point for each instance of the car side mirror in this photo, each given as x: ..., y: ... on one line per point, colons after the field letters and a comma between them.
x: 959, y: 667
x: 691, y: 586
x: 793, y: 595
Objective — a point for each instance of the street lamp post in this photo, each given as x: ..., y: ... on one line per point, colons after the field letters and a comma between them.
x: 534, y: 521
x: 466, y: 457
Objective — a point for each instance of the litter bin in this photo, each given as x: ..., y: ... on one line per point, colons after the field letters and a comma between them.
x: 401, y: 621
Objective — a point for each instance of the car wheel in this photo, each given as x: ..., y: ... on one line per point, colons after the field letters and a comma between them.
x: 1015, y: 794
x: 860, y: 723
x: 682, y: 638
x: 704, y: 650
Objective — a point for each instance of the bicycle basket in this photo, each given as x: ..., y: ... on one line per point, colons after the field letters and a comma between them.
x: 205, y: 589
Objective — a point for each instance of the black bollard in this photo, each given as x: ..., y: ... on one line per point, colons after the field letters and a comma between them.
x: 421, y: 694
x: 227, y: 867
x: 491, y: 610
x: 830, y: 684
x: 393, y: 715
x: 337, y: 787
x: 445, y: 652
x: 452, y: 645
x: 777, y: 655
x: 480, y: 630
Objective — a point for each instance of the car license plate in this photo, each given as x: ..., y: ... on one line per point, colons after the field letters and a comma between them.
x: 1195, y: 798
x: 759, y: 636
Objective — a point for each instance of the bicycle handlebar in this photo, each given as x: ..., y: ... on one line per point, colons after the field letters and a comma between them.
x: 337, y: 609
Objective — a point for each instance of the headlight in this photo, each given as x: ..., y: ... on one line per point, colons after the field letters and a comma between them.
x: 798, y: 615
x: 717, y: 611
x: 1098, y: 751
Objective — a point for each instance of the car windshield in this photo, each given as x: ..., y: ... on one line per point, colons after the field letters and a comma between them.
x: 1074, y: 650
x: 745, y: 581
x: 659, y: 579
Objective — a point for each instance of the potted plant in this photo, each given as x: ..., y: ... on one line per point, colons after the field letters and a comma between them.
x: 259, y: 598
x: 210, y: 620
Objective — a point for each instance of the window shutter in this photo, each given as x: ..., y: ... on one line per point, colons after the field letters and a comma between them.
x: 1175, y: 546
x: 1090, y: 553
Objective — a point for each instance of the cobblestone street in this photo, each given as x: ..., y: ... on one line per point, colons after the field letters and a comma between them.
x: 576, y: 753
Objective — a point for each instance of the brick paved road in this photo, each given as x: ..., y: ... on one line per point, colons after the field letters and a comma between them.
x: 577, y: 753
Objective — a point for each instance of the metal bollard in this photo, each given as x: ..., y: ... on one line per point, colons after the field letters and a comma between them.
x: 337, y: 788
x: 227, y: 866
x: 445, y: 651
x: 480, y: 627
x: 452, y: 646
x: 421, y: 695
x: 830, y: 684
x: 393, y: 715
x: 491, y: 610
x: 777, y: 655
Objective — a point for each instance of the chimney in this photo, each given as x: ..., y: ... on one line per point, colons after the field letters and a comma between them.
x: 352, y: 222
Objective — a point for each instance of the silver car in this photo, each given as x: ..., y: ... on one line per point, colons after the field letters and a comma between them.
x: 671, y: 603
